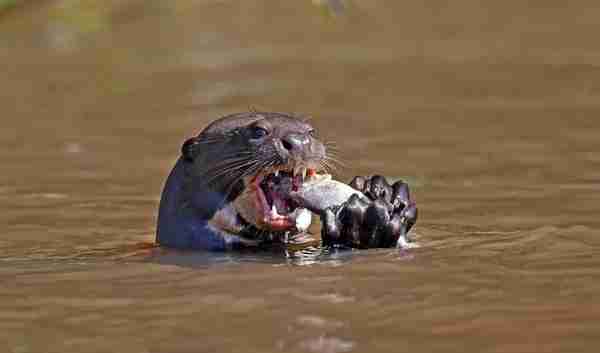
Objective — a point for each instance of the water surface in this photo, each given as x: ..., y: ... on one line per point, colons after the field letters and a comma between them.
x: 489, y: 110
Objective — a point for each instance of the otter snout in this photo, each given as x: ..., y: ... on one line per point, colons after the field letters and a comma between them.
x: 301, y: 148
x: 294, y: 142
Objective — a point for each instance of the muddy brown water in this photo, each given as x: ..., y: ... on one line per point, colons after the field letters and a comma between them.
x: 488, y: 109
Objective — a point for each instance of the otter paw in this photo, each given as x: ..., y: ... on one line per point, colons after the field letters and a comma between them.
x: 379, y: 222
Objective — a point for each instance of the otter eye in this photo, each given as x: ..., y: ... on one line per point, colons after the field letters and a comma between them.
x: 259, y: 132
x: 312, y: 133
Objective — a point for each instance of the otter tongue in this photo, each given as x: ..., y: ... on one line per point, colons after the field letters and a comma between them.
x: 279, y: 190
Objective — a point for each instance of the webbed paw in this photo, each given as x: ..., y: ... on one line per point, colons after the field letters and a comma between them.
x: 378, y: 222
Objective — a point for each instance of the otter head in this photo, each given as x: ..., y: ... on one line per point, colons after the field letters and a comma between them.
x: 245, y: 165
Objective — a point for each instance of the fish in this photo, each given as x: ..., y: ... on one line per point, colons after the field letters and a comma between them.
x: 320, y: 192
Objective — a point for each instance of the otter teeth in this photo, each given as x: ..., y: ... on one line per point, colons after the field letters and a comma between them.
x: 300, y: 171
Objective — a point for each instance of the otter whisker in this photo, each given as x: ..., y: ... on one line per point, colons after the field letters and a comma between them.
x: 229, y: 163
x: 331, y: 147
x: 328, y: 168
x: 335, y: 161
x: 241, y: 170
x: 335, y: 154
x: 332, y: 164
x: 330, y: 143
x: 232, y: 162
x: 235, y: 170
x: 236, y: 156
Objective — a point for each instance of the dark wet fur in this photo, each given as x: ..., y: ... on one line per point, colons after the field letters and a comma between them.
x: 210, y: 172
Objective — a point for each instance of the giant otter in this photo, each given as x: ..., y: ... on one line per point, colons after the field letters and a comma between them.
x: 236, y: 185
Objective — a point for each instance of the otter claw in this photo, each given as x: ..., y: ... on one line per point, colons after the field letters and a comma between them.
x: 381, y: 219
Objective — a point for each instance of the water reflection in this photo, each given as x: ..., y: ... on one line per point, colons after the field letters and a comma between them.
x: 278, y: 256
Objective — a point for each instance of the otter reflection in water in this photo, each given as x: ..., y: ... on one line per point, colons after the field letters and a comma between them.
x: 249, y: 180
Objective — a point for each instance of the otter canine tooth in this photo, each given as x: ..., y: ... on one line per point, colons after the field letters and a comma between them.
x: 276, y: 172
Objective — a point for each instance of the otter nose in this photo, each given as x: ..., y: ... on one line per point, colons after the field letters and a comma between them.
x: 294, y: 142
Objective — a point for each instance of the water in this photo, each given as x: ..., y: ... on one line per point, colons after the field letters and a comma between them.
x: 488, y: 109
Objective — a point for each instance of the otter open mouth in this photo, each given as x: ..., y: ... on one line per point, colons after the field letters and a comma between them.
x: 278, y: 211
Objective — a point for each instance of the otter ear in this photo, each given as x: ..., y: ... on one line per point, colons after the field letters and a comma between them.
x: 188, y: 149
